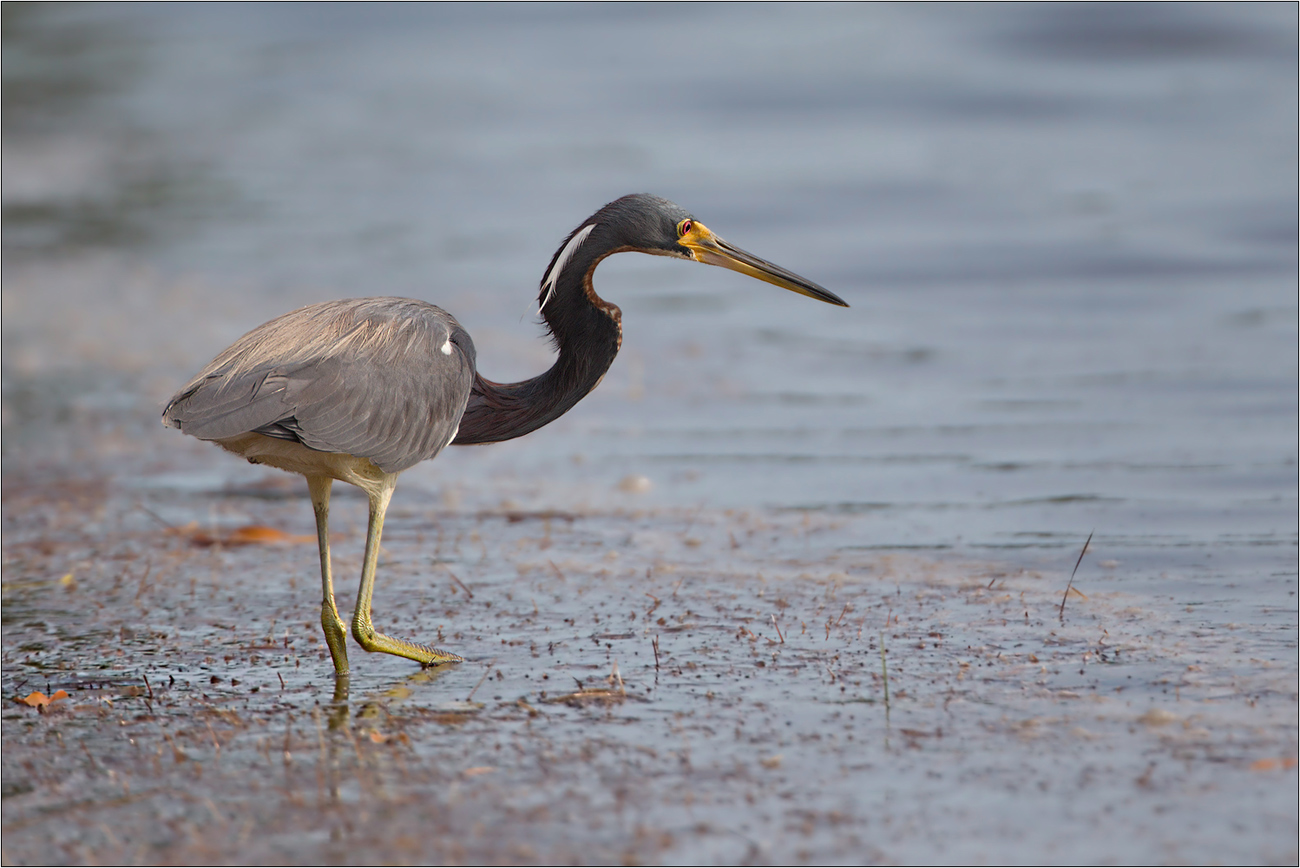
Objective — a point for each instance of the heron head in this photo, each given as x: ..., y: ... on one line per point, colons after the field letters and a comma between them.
x: 653, y: 225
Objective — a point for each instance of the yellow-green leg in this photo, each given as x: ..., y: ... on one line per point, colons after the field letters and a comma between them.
x: 362, y: 628
x: 335, y: 633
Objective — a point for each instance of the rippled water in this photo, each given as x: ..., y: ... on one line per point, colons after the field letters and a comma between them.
x: 1068, y: 235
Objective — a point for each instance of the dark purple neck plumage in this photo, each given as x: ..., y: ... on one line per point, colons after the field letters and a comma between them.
x: 587, y: 331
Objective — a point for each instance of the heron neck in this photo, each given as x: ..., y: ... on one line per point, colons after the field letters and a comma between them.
x: 587, y: 331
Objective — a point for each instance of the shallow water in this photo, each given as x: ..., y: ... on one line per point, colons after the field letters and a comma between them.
x: 1069, y: 238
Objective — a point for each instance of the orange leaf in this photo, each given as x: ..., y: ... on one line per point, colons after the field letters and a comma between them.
x: 250, y: 534
x: 1272, y: 763
x: 36, y: 699
x: 258, y: 533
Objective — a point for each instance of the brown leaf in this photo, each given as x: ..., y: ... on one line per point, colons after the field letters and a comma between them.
x: 588, y: 695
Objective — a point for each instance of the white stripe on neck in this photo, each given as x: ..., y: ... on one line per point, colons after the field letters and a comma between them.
x: 553, y: 276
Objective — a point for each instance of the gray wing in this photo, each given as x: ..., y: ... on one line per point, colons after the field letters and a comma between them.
x: 380, y: 378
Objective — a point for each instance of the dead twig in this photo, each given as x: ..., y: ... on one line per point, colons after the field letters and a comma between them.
x: 884, y: 674
x: 144, y: 580
x: 156, y: 517
x: 464, y: 587
x: 1070, y: 583
x: 486, y: 673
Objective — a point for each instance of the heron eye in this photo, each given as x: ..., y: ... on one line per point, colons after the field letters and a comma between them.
x: 683, y: 228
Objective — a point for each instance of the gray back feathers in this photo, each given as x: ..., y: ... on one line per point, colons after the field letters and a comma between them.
x: 380, y: 378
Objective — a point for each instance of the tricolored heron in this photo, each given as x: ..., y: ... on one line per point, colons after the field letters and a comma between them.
x: 361, y: 389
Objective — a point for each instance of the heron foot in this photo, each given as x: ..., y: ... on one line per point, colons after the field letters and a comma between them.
x: 335, y: 636
x: 441, y: 657
x: 425, y: 655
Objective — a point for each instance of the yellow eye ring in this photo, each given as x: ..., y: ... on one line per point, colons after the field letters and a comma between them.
x: 684, y: 227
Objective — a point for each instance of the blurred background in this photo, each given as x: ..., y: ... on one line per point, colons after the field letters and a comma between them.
x: 1068, y: 235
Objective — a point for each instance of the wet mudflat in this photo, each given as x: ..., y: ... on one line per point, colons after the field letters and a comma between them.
x: 787, y: 586
x: 642, y: 686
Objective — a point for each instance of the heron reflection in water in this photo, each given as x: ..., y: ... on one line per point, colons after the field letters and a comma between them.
x: 361, y: 389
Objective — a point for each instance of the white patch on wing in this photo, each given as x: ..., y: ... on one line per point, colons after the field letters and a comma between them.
x: 562, y: 260
x: 446, y: 348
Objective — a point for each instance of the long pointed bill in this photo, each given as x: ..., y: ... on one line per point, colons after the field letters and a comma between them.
x: 712, y: 250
